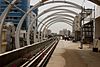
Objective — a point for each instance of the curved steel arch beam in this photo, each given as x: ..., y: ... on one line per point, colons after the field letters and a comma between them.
x: 62, y: 9
x: 51, y: 23
x: 3, y: 16
x: 54, y: 14
x: 34, y: 7
x: 59, y: 18
x: 62, y: 17
x: 30, y: 26
x: 56, y: 19
x: 57, y: 6
x: 61, y: 6
x: 57, y: 13
x: 66, y: 2
x: 53, y: 9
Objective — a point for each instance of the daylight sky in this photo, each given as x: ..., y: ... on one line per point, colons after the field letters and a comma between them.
x: 55, y: 28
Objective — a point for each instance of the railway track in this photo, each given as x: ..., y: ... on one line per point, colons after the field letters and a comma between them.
x: 36, y: 55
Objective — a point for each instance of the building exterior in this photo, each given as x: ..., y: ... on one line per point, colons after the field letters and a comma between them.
x: 97, y: 11
x: 76, y: 28
x: 65, y: 32
x: 68, y: 32
x: 97, y: 24
x: 31, y: 17
x: 47, y: 32
x: 77, y: 23
x: 88, y: 32
x: 61, y: 32
x: 15, y: 15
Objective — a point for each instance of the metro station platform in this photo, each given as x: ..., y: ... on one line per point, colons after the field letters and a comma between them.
x: 67, y: 54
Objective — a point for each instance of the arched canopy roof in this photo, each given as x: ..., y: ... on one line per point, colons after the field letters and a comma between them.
x: 36, y: 6
x: 53, y: 15
x: 56, y: 19
x: 65, y: 20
